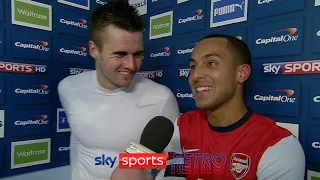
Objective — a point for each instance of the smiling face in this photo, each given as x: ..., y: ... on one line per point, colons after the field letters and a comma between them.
x: 214, y: 75
x: 119, y: 58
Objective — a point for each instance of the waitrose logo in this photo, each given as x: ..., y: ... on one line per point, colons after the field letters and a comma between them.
x: 30, y: 152
x: 161, y: 25
x: 31, y: 14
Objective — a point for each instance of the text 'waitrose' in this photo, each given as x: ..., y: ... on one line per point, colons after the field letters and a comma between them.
x: 31, y: 14
x: 31, y: 153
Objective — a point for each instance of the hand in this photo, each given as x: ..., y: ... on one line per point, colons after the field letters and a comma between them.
x: 130, y: 174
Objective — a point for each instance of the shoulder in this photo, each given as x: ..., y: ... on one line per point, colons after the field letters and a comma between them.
x: 192, y: 117
x: 268, y: 125
x: 287, y: 155
x: 151, y: 88
x: 75, y: 81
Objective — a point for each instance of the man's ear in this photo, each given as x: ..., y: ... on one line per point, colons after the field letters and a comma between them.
x: 244, y: 72
x: 93, y: 50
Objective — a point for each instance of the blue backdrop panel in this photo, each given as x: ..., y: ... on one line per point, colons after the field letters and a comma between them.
x: 283, y: 36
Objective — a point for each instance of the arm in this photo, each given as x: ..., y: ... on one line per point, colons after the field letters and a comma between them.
x: 284, y: 160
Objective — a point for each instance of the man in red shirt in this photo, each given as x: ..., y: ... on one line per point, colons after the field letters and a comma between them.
x: 224, y: 139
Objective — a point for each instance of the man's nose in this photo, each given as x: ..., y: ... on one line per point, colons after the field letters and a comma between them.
x: 129, y: 62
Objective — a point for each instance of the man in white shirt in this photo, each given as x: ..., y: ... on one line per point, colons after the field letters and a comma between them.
x: 111, y: 105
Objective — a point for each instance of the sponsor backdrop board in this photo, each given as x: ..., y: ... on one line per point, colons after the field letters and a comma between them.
x: 42, y: 41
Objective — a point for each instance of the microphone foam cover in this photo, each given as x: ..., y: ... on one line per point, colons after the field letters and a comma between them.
x: 157, y: 134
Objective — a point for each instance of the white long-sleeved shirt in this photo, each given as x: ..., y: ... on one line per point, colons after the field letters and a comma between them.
x: 103, y: 121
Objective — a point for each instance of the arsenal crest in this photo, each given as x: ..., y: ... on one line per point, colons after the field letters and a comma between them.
x: 239, y: 165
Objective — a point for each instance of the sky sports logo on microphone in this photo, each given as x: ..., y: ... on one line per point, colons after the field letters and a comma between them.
x: 134, y: 161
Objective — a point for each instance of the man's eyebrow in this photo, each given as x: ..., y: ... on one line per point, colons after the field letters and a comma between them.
x: 206, y: 56
x: 125, y: 53
x: 210, y: 55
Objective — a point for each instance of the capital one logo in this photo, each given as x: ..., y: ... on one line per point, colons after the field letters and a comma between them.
x: 42, y: 90
x: 287, y: 98
x: 195, y: 17
x: 316, y: 145
x: 165, y: 52
x: 101, y: 2
x: 81, y: 51
x: 41, y: 45
x: 260, y: 2
x: 40, y: 120
x: 187, y: 50
x: 77, y: 22
x: 316, y: 99
x: 291, y: 36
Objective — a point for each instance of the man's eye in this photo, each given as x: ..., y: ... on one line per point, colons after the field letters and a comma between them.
x: 212, y: 63
x: 192, y: 66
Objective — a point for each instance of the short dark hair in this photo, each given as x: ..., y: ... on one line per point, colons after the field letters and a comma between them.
x: 239, y: 48
x: 118, y: 13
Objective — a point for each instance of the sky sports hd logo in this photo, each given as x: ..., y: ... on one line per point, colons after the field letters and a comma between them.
x: 195, y: 15
x: 228, y: 12
x: 30, y: 153
x: 33, y: 44
x: 31, y: 14
x: 151, y: 74
x: 289, y: 68
x: 22, y: 68
x: 76, y: 22
x: 275, y: 36
x: 161, y: 25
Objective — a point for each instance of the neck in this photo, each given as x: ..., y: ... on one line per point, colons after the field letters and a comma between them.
x: 228, y: 113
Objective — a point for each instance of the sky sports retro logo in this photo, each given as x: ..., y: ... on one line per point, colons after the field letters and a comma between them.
x: 30, y: 90
x: 277, y: 98
x: 72, y: 51
x: 30, y: 46
x: 31, y: 14
x: 75, y: 71
x: 314, y: 99
x: 82, y: 4
x: 228, y: 12
x: 264, y: 8
x: 276, y: 39
x: 12, y: 67
x: 153, y: 75
x: 189, y: 19
x: 30, y: 152
x: 62, y: 121
x: 291, y: 68
x: 161, y: 25
x: 30, y: 122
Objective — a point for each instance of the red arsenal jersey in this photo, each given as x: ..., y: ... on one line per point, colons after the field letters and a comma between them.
x: 222, y: 153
